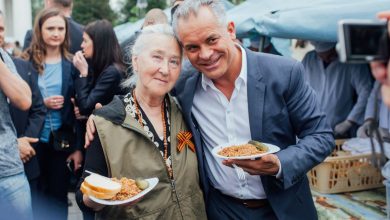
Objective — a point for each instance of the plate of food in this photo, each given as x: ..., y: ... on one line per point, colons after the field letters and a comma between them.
x: 244, y: 150
x: 112, y: 191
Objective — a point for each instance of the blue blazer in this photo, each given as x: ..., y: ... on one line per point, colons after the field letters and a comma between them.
x: 69, y: 73
x: 282, y: 107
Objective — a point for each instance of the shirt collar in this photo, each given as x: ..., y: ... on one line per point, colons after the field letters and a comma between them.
x: 243, y: 73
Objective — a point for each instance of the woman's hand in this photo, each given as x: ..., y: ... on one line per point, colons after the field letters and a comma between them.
x: 91, y: 204
x: 54, y: 102
x: 80, y: 63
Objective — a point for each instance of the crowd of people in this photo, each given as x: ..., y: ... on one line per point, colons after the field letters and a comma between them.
x: 75, y: 100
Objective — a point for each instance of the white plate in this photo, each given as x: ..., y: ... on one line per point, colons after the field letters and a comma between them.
x: 152, y: 183
x: 271, y: 149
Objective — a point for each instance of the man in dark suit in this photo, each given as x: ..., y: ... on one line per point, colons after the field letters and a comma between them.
x: 28, y: 125
x: 238, y: 95
x: 75, y: 29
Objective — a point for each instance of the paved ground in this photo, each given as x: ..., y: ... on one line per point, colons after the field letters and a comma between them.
x: 74, y: 212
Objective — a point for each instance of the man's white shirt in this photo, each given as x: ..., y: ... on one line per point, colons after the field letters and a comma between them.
x: 222, y: 121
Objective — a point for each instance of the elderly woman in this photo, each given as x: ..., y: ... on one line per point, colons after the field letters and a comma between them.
x: 137, y: 137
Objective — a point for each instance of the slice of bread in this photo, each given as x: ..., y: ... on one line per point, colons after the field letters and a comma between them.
x: 87, y: 191
x: 95, y: 194
x: 101, y: 184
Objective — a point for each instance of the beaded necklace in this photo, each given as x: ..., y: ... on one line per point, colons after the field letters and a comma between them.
x: 170, y: 172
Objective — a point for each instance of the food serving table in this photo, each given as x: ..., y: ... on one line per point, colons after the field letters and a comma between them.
x: 368, y: 204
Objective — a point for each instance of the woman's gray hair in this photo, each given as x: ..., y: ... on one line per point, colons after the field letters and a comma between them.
x: 141, y: 42
x: 188, y: 7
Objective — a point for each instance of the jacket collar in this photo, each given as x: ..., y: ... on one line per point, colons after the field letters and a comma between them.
x: 256, y: 95
x: 114, y: 111
x: 187, y: 95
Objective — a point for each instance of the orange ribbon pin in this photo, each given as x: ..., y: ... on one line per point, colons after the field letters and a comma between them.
x: 184, y: 138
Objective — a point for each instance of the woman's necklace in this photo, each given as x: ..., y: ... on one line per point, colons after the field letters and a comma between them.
x: 164, y: 130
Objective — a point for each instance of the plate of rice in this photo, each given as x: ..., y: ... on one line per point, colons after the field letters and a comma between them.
x: 129, y: 191
x: 243, y: 151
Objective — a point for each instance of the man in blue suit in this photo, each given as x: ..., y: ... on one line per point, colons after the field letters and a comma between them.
x: 237, y: 95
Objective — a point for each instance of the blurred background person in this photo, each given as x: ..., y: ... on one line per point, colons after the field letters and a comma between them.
x: 383, y: 113
x: 75, y: 29
x: 381, y: 70
x: 99, y: 77
x: 51, y: 60
x: 17, y: 50
x: 175, y: 4
x: 342, y: 89
x: 265, y: 43
x: 153, y: 16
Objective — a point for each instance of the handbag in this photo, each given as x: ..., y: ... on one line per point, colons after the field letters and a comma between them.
x: 63, y: 139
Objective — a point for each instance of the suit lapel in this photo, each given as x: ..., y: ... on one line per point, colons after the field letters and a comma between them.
x: 187, y: 96
x: 65, y: 76
x: 256, y: 95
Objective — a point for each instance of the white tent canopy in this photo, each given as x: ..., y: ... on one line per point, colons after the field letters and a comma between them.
x: 302, y: 19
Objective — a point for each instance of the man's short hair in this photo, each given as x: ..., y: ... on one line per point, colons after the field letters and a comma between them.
x: 63, y: 3
x: 189, y: 7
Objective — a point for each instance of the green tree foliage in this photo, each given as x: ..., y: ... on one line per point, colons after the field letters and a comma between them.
x: 36, y: 5
x: 236, y: 2
x: 131, y: 13
x: 85, y: 11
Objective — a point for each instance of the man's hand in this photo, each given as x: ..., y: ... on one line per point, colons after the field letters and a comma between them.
x: 363, y: 130
x: 77, y: 158
x: 26, y: 151
x: 91, y: 129
x: 342, y: 129
x: 266, y: 165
